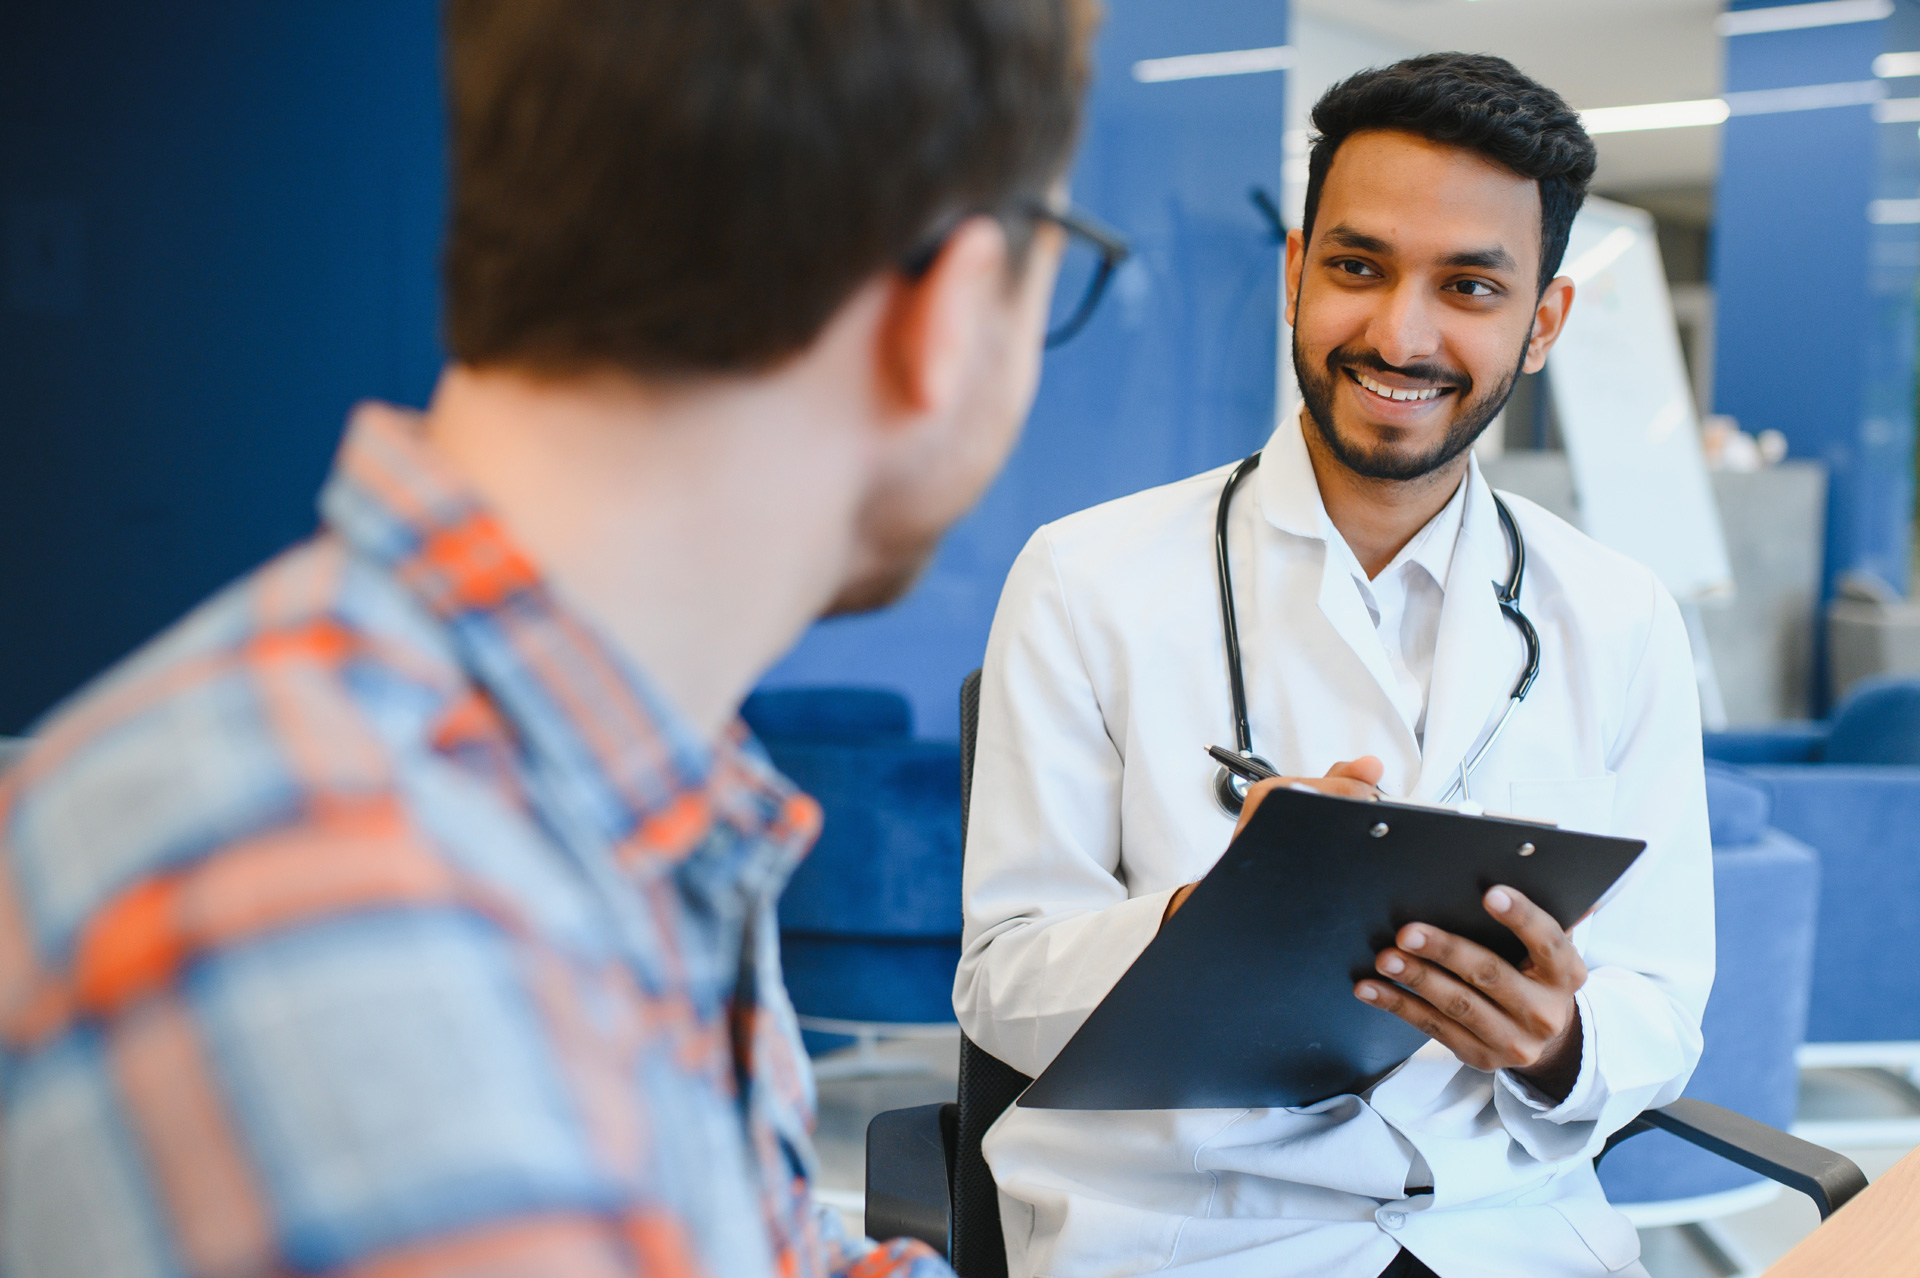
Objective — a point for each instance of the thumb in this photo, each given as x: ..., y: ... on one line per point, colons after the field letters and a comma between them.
x: 1365, y: 769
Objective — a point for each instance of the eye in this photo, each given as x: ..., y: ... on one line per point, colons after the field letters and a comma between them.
x: 1355, y: 267
x: 1473, y: 288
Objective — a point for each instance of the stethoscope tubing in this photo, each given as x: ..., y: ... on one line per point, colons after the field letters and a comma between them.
x: 1507, y: 595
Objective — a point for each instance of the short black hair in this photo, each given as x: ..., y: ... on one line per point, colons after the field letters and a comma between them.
x: 1472, y: 100
x: 696, y: 186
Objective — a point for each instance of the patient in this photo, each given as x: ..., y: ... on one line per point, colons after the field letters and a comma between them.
x: 407, y: 909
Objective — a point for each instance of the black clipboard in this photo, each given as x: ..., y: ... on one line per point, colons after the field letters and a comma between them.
x: 1245, y: 997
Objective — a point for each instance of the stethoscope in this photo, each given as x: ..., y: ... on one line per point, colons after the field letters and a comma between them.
x: 1231, y: 790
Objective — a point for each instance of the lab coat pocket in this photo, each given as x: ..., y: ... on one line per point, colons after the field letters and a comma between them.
x: 1572, y: 803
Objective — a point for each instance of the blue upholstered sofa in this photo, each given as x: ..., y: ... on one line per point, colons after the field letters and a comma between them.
x: 1766, y: 891
x: 870, y: 924
x: 1850, y: 787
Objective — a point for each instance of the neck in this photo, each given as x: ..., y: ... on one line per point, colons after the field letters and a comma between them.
x: 1378, y: 517
x: 702, y: 526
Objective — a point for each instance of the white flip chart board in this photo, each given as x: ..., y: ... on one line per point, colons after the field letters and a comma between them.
x: 1626, y: 411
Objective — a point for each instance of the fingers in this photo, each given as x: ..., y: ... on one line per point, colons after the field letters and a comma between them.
x: 1471, y: 966
x: 1552, y: 959
x: 1450, y: 987
x: 1366, y: 769
x: 1344, y: 786
x: 1449, y: 1009
x: 1423, y: 1016
x: 1449, y: 995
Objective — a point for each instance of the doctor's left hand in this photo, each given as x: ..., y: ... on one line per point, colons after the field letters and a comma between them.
x: 1487, y: 1012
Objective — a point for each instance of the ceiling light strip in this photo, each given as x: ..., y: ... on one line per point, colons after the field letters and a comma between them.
x: 1890, y: 66
x: 1197, y: 66
x: 1797, y: 17
x: 1705, y: 111
x: 1654, y: 115
x: 1804, y: 97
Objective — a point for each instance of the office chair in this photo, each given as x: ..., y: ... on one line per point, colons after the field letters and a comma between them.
x: 927, y: 1179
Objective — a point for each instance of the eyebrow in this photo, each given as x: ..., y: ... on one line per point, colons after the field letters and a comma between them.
x: 1481, y: 259
x: 1486, y: 259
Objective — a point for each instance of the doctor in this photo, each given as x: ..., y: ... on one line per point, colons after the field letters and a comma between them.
x: 1366, y: 552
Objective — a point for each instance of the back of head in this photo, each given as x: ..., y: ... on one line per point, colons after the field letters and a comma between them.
x: 1476, y: 101
x: 673, y: 187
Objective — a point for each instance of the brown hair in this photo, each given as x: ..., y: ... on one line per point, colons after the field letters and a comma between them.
x: 685, y: 186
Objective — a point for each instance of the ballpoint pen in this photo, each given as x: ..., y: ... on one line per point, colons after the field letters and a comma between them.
x: 1240, y: 765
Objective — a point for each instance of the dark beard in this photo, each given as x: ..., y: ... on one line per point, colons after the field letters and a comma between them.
x: 1471, y: 418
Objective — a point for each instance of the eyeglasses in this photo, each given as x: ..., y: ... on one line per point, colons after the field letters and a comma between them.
x: 1093, y: 253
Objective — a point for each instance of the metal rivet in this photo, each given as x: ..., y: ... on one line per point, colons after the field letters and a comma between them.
x: 1379, y: 830
x: 1526, y: 849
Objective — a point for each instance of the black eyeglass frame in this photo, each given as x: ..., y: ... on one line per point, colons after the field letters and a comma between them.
x: 1110, y: 244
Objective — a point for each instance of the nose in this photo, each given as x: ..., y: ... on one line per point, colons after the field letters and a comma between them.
x: 1405, y: 328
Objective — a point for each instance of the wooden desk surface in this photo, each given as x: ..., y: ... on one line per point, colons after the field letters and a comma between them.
x: 1877, y: 1233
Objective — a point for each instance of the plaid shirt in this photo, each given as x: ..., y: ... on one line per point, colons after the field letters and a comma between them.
x: 380, y: 919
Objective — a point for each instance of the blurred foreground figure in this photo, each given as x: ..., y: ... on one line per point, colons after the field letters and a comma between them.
x: 408, y: 908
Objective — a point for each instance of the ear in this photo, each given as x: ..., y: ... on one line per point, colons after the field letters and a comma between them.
x: 932, y: 323
x: 1296, y: 264
x: 1549, y: 321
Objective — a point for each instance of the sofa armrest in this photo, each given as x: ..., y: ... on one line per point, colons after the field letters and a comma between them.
x: 1798, y: 741
x: 910, y: 1174
x: 1828, y: 1178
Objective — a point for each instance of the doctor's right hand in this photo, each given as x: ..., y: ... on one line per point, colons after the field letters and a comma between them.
x: 1354, y: 779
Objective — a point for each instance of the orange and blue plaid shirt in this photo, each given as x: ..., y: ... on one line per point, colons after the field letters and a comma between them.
x: 380, y: 919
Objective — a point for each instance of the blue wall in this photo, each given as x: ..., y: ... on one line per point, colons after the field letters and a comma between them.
x: 1816, y: 305
x: 222, y: 222
x: 1176, y: 373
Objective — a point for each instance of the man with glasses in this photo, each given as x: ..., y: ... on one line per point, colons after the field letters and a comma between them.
x: 1367, y: 559
x: 408, y: 908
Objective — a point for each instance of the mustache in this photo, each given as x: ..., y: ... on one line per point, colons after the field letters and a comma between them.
x: 1370, y: 361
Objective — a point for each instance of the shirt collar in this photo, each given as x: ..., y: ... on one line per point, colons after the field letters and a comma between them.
x: 1290, y: 499
x: 625, y: 762
x: 1432, y: 547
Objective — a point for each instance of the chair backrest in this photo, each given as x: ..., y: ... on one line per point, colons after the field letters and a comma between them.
x: 845, y: 715
x: 1879, y: 722
x: 987, y: 1084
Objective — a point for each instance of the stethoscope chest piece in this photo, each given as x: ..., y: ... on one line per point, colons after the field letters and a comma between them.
x: 1230, y: 791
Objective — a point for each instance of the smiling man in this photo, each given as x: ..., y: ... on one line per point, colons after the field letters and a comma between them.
x: 1367, y: 557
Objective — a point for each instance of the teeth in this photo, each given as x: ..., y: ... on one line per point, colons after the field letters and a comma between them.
x: 1393, y: 392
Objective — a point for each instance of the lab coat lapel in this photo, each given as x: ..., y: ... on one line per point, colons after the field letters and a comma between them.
x: 1477, y: 656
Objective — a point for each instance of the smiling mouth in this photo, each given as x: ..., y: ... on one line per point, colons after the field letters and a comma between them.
x: 1399, y: 394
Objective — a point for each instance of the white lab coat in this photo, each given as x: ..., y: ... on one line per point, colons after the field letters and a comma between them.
x: 1105, y: 677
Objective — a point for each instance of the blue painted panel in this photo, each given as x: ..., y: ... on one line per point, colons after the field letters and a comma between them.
x: 251, y: 198
x: 1816, y: 315
x: 1175, y: 375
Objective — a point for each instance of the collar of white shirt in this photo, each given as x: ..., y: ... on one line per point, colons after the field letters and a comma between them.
x: 1405, y: 611
x: 1290, y: 496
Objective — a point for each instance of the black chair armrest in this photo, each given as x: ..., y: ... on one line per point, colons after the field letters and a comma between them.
x: 1828, y: 1178
x: 910, y: 1174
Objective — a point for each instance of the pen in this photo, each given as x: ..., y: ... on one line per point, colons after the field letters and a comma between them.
x: 1240, y: 765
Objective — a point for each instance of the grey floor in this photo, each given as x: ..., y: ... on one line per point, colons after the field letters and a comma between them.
x: 1753, y: 1240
